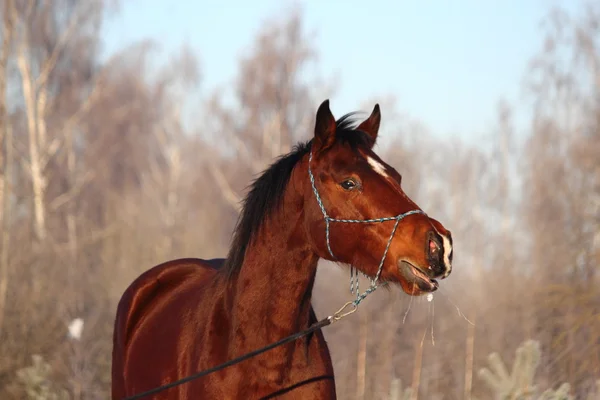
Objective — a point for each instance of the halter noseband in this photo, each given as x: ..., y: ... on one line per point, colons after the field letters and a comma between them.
x: 328, y: 220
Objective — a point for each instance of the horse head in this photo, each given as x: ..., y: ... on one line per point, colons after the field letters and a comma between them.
x: 357, y: 213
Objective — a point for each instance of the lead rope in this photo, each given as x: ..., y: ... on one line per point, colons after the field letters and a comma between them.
x: 353, y: 270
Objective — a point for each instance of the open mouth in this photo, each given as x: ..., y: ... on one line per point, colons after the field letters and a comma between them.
x: 417, y: 276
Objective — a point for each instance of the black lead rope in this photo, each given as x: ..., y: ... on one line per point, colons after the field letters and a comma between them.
x: 314, y: 327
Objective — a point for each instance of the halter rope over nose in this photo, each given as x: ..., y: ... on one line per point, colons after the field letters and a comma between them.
x: 328, y: 220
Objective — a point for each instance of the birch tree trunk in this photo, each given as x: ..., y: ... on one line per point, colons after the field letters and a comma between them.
x: 361, y: 364
x: 6, y: 155
x: 469, y: 359
x: 416, y: 379
x: 38, y: 181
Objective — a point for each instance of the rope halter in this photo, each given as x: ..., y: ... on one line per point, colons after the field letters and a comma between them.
x: 328, y: 220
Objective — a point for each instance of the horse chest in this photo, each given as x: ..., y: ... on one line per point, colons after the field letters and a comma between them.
x: 307, y: 373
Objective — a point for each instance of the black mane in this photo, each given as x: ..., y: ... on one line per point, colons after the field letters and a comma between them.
x: 266, y: 192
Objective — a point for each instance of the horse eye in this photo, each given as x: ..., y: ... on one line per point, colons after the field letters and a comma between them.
x: 348, y: 184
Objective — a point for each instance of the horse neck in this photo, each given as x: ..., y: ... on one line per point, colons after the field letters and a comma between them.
x: 273, y: 288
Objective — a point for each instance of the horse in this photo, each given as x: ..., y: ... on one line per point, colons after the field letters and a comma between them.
x: 332, y: 197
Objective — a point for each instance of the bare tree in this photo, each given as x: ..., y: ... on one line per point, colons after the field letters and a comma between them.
x: 6, y: 152
x: 274, y: 104
x: 40, y: 46
x: 562, y: 190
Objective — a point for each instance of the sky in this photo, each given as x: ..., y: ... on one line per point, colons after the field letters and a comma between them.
x: 447, y: 63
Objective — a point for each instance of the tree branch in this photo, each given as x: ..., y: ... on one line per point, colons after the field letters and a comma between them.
x: 50, y: 62
x: 65, y: 197
x: 230, y: 196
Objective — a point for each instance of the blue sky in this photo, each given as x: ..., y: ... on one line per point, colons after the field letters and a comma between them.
x: 447, y: 62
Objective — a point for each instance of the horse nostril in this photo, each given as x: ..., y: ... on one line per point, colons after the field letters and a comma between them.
x: 433, y: 248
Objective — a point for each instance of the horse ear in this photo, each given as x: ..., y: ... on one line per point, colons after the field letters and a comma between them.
x: 370, y: 126
x: 324, y: 128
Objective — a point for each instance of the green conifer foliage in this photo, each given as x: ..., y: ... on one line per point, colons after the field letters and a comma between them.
x: 518, y: 384
x: 37, y: 382
x: 396, y: 391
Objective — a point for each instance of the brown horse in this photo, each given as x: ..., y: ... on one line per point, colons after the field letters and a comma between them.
x: 189, y: 315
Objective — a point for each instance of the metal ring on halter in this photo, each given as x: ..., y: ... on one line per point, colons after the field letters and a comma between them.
x: 341, y: 313
x: 328, y: 220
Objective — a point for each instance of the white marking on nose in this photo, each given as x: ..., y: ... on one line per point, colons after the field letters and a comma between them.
x: 377, y: 166
x: 447, y: 251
